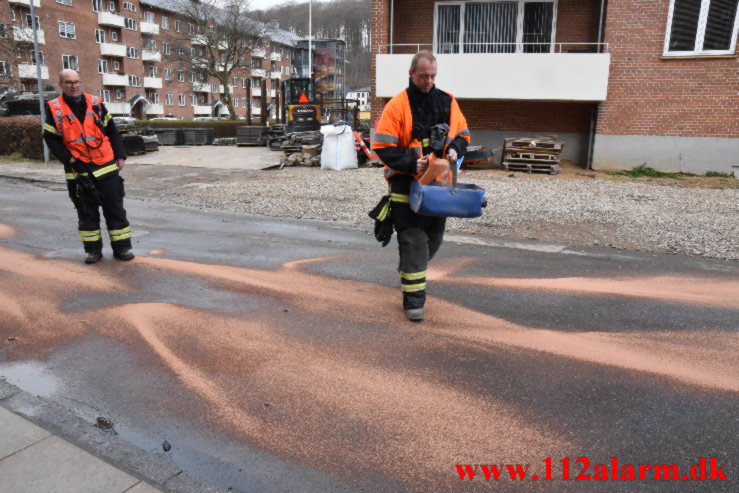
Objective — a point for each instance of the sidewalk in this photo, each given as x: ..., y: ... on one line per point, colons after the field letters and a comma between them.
x: 33, y: 460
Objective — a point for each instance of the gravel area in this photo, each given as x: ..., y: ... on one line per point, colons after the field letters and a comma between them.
x: 624, y: 215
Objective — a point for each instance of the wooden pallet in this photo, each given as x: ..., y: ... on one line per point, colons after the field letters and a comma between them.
x: 552, y: 169
x: 532, y: 157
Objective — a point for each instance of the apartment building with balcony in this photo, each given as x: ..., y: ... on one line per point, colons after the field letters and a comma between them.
x: 121, y: 48
x: 622, y: 83
x: 328, y: 60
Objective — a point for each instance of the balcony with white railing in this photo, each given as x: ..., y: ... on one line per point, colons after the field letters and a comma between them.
x: 258, y: 72
x: 28, y: 71
x: 148, y: 27
x: 112, y: 19
x: 198, y: 40
x: 36, y: 3
x: 256, y: 92
x: 25, y: 35
x: 153, y: 82
x: 151, y: 56
x: 113, y: 49
x: 201, y: 110
x: 256, y: 111
x: 200, y: 87
x: 118, y: 108
x: 275, y: 74
x: 115, y: 80
x: 272, y: 93
x: 154, y: 109
x: 258, y: 53
x: 568, y: 72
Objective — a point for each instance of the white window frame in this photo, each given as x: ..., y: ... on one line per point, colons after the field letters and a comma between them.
x: 97, y: 5
x: 165, y: 48
x: 116, y: 65
x: 120, y: 94
x: 153, y: 71
x: 129, y: 6
x: 193, y: 100
x: 167, y: 74
x: 178, y: 25
x: 100, y: 36
x: 169, y: 99
x: 3, y: 31
x: 132, y: 52
x: 165, y: 23
x: 29, y: 21
x: 68, y: 3
x: 181, y: 100
x: 134, y: 81
x: 149, y: 17
x: 113, y: 36
x: 12, y: 15
x: 243, y: 103
x: 6, y: 69
x: 105, y: 95
x: 243, y: 82
x: 700, y: 34
x: 130, y: 23
x: 102, y: 66
x: 519, y: 23
x: 67, y: 30
x: 71, y: 61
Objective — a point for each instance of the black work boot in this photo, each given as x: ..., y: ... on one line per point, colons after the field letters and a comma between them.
x: 414, y: 314
x: 124, y: 255
x: 93, y: 257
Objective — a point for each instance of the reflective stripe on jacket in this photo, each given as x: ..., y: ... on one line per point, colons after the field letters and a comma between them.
x: 84, y: 140
x: 395, y: 128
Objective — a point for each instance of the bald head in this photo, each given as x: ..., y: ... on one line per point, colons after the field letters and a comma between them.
x: 69, y: 83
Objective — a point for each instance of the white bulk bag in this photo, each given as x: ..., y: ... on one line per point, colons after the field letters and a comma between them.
x: 338, y: 147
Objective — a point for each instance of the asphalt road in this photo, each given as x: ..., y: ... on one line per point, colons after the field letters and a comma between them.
x: 273, y: 355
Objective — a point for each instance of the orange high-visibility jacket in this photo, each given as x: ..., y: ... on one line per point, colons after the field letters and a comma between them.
x: 85, y: 140
x: 396, y: 126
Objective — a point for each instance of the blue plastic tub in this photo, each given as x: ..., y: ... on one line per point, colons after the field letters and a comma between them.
x: 464, y: 200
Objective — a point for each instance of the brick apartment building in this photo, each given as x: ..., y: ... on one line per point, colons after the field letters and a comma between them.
x: 622, y: 82
x: 120, y: 48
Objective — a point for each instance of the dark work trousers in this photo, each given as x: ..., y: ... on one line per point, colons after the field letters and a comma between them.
x: 419, y: 238
x: 108, y: 194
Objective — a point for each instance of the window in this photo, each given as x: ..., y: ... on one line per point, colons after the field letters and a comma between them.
x: 180, y: 76
x: 12, y: 14
x: 111, y: 6
x: 70, y: 61
x: 149, y: 17
x: 190, y: 28
x: 153, y: 97
x: 494, y: 27
x: 120, y: 94
x: 65, y: 2
x: 102, y: 66
x: 29, y: 21
x: 67, y: 30
x: 235, y: 82
x: 133, y: 52
x: 130, y: 23
x: 97, y: 5
x: 167, y: 74
x: 214, y: 88
x: 129, y: 6
x: 105, y: 95
x: 202, y: 99
x: 181, y: 99
x: 134, y: 80
x: 99, y: 36
x: 169, y: 98
x: 153, y: 71
x: 193, y: 100
x: 113, y: 36
x: 5, y: 69
x: 165, y: 24
x: 36, y: 55
x: 701, y: 27
x: 192, y: 76
x: 165, y: 47
x: 243, y: 102
x: 178, y: 25
x: 236, y: 102
x: 3, y: 31
x: 150, y: 44
x: 243, y: 83
x: 116, y: 65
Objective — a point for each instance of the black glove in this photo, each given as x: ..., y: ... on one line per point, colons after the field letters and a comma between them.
x: 383, y: 223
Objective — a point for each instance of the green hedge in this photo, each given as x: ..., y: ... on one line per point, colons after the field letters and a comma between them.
x: 221, y: 128
x: 21, y: 134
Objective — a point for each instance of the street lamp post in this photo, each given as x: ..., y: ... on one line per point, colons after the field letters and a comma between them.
x: 39, y: 80
x: 310, y: 36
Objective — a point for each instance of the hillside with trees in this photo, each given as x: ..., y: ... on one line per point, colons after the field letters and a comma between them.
x: 349, y: 20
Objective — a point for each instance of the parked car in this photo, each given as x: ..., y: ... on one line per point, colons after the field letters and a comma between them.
x: 164, y: 118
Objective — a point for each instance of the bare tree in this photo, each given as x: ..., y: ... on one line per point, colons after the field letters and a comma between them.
x: 218, y: 41
x: 8, y: 51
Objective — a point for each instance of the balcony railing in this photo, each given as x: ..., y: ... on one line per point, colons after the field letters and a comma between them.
x: 153, y: 82
x: 198, y: 40
x: 154, y: 109
x: 112, y: 19
x: 28, y: 71
x: 275, y: 57
x: 256, y: 92
x: 149, y: 27
x: 258, y: 72
x: 115, y: 80
x: 258, y: 53
x: 36, y: 3
x: 200, y: 87
x: 568, y: 76
x: 118, y: 108
x: 113, y: 49
x: 151, y: 56
x: 25, y: 35
x: 275, y: 75
x: 256, y: 111
x: 202, y: 110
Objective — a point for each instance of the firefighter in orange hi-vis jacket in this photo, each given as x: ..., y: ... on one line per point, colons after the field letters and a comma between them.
x: 81, y: 134
x: 402, y: 140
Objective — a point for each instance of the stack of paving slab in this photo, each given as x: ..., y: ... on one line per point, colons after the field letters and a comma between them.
x: 170, y: 136
x: 198, y: 136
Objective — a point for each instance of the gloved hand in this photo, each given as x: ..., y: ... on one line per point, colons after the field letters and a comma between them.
x: 384, y: 231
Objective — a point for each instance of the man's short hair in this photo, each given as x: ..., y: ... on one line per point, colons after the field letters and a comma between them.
x: 421, y: 54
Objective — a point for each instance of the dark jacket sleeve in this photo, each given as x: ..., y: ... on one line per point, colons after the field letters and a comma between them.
x: 399, y: 159
x: 460, y: 145
x: 116, y: 142
x: 54, y: 141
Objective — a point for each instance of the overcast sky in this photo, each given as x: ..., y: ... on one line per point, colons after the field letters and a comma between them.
x: 264, y: 4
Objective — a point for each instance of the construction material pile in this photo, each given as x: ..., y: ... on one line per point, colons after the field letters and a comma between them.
x: 532, y: 154
x: 309, y: 155
x: 250, y: 135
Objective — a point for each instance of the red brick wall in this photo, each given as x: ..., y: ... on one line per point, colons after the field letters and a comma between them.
x: 577, y: 22
x: 649, y: 94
